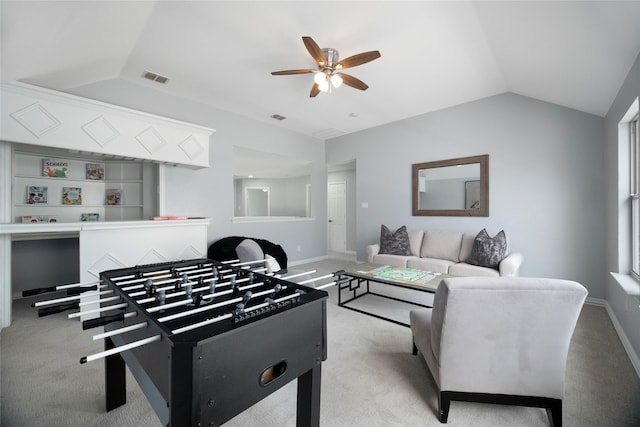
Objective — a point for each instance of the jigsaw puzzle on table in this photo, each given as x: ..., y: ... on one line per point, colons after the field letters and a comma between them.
x: 406, y: 275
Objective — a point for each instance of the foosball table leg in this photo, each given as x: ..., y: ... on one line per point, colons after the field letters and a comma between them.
x: 114, y: 378
x: 308, y: 410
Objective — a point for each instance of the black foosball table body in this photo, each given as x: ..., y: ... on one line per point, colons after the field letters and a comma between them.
x: 207, y: 375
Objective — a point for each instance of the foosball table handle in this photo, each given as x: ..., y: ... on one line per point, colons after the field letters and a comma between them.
x: 46, y: 311
x: 38, y: 291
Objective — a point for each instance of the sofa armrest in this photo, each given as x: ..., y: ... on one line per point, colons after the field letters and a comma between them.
x: 371, y: 251
x: 510, y: 264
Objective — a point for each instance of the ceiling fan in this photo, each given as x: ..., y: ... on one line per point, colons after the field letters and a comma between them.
x: 329, y: 68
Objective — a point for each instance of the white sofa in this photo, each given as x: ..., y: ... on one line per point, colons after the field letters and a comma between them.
x: 443, y: 252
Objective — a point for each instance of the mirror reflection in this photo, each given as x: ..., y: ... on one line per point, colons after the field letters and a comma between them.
x: 270, y: 185
x: 455, y: 187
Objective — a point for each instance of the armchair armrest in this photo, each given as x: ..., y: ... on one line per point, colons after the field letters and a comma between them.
x: 510, y: 264
x: 371, y: 251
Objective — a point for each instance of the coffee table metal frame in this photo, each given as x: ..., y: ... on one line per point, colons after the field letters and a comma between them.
x: 353, y: 281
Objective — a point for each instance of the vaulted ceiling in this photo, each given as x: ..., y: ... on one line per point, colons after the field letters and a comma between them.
x: 434, y: 54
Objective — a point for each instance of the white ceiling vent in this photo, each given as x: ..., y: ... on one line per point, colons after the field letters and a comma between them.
x: 155, y: 77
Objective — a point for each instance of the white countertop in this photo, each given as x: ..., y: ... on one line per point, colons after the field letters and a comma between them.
x: 56, y: 227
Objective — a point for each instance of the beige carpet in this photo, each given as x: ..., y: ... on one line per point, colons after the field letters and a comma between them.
x: 369, y: 379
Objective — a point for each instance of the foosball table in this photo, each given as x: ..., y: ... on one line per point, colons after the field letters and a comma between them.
x: 206, y: 340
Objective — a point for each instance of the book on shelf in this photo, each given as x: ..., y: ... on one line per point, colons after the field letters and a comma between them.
x: 90, y: 216
x: 71, y: 195
x: 38, y: 219
x: 55, y: 168
x: 95, y: 171
x: 37, y: 194
x: 114, y: 196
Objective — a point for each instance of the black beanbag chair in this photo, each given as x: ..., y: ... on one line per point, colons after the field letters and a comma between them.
x: 225, y: 249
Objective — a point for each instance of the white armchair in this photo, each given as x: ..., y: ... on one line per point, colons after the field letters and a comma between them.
x: 499, y: 340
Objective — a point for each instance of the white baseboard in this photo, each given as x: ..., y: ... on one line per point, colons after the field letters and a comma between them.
x: 307, y: 261
x: 596, y: 301
x: 635, y: 360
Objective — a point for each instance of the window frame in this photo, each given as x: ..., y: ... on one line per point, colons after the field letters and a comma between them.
x: 634, y: 196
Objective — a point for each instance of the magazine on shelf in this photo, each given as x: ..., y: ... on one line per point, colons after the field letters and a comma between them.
x: 55, y: 168
x: 90, y: 216
x: 95, y: 171
x: 114, y: 196
x: 38, y: 219
x: 36, y: 194
x: 71, y: 195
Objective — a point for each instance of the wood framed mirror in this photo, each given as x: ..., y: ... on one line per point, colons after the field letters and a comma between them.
x: 454, y: 187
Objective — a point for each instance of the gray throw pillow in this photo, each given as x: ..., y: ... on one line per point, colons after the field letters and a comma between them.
x: 394, y: 243
x: 488, y: 251
x: 249, y: 250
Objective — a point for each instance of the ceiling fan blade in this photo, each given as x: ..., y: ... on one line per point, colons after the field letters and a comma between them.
x: 314, y: 50
x: 289, y: 72
x: 315, y: 90
x: 353, y: 82
x: 359, y: 59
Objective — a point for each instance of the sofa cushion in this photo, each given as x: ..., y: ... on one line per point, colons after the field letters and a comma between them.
x: 415, y: 241
x: 394, y: 243
x: 464, y: 269
x: 467, y: 245
x: 441, y: 245
x: 393, y: 260
x: 430, y: 264
x: 488, y: 251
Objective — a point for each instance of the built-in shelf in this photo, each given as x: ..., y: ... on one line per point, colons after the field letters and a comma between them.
x: 127, y: 177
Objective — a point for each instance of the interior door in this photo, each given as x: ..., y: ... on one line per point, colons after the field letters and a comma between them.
x: 337, y: 216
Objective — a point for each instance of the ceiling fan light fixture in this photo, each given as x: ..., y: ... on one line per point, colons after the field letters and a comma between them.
x: 324, y: 86
x: 336, y: 80
x: 320, y: 77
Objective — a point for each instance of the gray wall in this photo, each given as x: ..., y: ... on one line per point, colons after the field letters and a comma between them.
x: 209, y: 192
x: 546, y: 179
x: 617, y: 243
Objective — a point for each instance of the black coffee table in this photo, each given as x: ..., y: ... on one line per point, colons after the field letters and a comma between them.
x: 356, y: 283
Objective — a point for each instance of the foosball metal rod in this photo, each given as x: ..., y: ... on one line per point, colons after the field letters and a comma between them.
x: 120, y: 330
x: 340, y: 281
x: 65, y: 299
x: 120, y: 349
x: 203, y: 323
x: 239, y: 264
x: 160, y: 272
x: 298, y: 274
x: 314, y: 279
x: 98, y: 310
x: 74, y: 305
